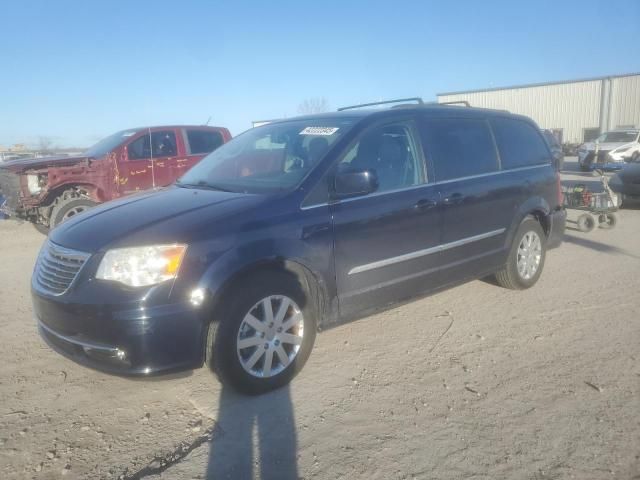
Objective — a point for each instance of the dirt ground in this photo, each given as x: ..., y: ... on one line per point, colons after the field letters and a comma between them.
x: 476, y: 382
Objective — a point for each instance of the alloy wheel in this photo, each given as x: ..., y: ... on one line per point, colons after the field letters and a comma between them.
x: 529, y: 255
x: 73, y: 212
x: 270, y: 336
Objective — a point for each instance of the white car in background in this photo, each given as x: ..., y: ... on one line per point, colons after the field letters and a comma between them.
x: 614, y: 148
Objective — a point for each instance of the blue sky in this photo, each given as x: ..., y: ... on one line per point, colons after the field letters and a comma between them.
x: 79, y: 70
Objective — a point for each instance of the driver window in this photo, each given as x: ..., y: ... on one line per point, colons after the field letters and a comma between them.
x: 159, y: 144
x: 391, y: 152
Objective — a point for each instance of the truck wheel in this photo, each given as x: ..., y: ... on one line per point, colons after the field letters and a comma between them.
x: 264, y: 335
x: 586, y: 223
x: 65, y: 208
x: 43, y: 229
x: 526, y: 257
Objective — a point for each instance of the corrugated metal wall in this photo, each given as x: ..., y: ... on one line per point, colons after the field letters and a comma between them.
x: 571, y: 107
x: 625, y: 101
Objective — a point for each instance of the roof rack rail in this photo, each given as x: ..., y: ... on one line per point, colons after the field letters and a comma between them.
x: 457, y: 102
x: 418, y: 100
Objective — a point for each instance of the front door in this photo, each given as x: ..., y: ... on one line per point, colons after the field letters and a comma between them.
x: 386, y: 242
x: 148, y: 159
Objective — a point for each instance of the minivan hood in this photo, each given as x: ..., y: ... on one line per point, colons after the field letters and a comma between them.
x: 22, y: 164
x: 170, y: 215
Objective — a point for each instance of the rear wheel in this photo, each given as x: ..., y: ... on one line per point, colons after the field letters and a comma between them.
x: 526, y: 258
x: 66, y: 208
x: 264, y: 335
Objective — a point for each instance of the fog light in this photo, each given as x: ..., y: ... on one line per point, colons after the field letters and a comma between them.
x: 197, y: 297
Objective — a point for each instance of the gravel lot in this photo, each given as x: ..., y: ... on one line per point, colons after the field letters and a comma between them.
x: 475, y: 382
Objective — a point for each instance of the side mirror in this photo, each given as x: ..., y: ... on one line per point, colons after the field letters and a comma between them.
x: 354, y: 183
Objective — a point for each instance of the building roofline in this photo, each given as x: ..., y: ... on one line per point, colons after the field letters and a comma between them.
x: 542, y: 84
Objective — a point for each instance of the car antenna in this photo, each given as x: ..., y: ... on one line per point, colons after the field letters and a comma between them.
x: 153, y: 171
x: 206, y: 124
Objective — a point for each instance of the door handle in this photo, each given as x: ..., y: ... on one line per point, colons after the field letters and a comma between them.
x: 453, y: 199
x: 425, y: 204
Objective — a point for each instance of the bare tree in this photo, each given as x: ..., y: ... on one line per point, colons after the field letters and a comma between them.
x: 313, y: 105
x: 45, y: 144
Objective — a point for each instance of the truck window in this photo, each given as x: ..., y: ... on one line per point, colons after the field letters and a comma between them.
x: 459, y: 147
x: 161, y: 144
x: 203, y: 141
x: 519, y: 143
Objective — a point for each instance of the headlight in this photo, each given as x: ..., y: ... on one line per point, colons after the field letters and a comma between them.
x: 33, y: 184
x: 623, y: 149
x: 142, y: 266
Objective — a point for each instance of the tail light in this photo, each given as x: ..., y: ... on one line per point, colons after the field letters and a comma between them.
x: 559, y: 189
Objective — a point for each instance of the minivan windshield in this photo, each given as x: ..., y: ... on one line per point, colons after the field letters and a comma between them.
x: 274, y: 157
x: 618, y: 137
x: 107, y: 144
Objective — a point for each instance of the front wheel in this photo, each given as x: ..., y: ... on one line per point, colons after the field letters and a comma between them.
x: 264, y: 334
x: 526, y: 257
x: 68, y: 207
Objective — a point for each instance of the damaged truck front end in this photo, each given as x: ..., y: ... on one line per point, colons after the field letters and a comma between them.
x: 35, y: 190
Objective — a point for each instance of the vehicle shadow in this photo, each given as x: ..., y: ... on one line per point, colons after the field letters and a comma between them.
x: 598, y: 246
x: 256, y: 439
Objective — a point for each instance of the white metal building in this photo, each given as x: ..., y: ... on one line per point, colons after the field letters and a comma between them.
x: 576, y: 110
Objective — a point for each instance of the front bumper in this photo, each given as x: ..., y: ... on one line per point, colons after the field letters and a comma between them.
x: 606, y: 161
x: 131, y: 339
x: 557, y: 223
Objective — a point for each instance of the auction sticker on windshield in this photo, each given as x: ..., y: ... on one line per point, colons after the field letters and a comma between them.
x: 319, y: 131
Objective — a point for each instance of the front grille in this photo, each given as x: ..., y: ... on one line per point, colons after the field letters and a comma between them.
x: 10, y: 188
x: 57, y: 268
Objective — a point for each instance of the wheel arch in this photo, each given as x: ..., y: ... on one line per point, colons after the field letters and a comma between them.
x: 312, y: 282
x: 89, y: 190
x: 537, y: 208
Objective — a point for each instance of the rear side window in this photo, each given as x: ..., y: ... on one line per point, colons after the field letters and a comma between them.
x: 203, y: 141
x: 459, y: 147
x: 158, y: 144
x: 519, y: 143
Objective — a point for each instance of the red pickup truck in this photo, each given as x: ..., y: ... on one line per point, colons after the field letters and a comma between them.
x: 47, y: 191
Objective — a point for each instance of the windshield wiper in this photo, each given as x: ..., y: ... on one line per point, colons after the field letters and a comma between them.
x: 203, y: 184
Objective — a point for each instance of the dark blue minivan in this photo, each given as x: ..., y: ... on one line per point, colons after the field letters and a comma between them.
x: 295, y: 226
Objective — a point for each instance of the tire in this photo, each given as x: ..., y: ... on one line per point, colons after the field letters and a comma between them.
x: 524, y: 254
x: 586, y: 223
x: 65, y: 208
x: 43, y: 229
x: 244, y: 368
x: 607, y: 221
